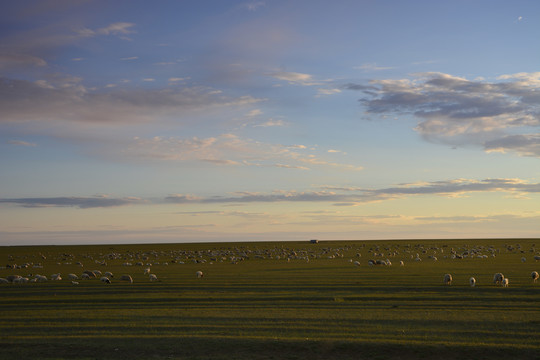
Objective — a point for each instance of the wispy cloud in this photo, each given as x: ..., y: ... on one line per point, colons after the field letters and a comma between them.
x: 119, y: 29
x: 373, y: 67
x: 454, y: 110
x: 228, y: 149
x: 21, y: 143
x: 68, y: 100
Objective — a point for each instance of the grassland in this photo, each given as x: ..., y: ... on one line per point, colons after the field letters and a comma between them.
x: 267, y: 301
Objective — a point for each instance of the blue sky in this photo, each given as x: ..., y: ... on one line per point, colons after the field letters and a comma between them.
x: 136, y: 121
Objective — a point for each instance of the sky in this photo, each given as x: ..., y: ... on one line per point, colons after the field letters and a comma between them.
x: 198, y: 121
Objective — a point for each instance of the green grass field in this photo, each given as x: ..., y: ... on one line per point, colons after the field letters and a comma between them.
x: 267, y: 301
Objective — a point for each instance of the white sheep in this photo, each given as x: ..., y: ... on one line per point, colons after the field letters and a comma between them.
x: 523, y: 259
x: 41, y: 278
x: 4, y: 281
x: 56, y: 277
x: 498, y: 278
x: 72, y: 277
x: 199, y: 274
x: 105, y: 280
x: 472, y: 281
x: 401, y: 263
x: 126, y: 278
x: 75, y: 283
x: 447, y: 279
x: 504, y: 282
x: 534, y: 276
x: 108, y: 274
x: 85, y: 276
x: 153, y: 277
x: 146, y: 271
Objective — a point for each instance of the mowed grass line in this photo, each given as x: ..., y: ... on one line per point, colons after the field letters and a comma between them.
x: 265, y: 308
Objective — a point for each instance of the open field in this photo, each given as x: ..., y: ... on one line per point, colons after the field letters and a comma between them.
x: 267, y: 301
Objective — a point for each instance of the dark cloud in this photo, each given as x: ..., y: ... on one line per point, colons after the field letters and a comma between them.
x: 80, y: 202
x: 457, y: 111
x: 67, y: 100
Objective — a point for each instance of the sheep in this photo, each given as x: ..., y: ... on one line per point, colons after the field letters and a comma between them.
x: 534, y: 276
x: 56, y: 277
x: 85, y: 276
x: 472, y: 281
x: 41, y: 278
x: 105, y: 280
x: 90, y: 274
x: 146, y: 271
x: 75, y: 283
x: 536, y: 257
x: 523, y: 259
x: 372, y: 262
x: 153, y: 277
x: 97, y: 272
x: 447, y: 279
x: 108, y: 274
x: 401, y: 263
x: 498, y: 278
x: 4, y: 281
x: 13, y: 278
x: 199, y: 274
x: 126, y: 278
x: 504, y: 282
x: 73, y: 277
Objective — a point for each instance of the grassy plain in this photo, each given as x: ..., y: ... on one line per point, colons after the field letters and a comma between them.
x: 253, y: 303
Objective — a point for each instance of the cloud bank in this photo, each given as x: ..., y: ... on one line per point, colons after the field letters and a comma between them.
x: 338, y: 195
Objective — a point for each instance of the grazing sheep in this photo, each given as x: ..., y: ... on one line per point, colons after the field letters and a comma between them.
x: 73, y: 277
x: 13, y: 278
x: 199, y: 274
x: 97, y: 273
x: 504, y: 282
x: 105, y: 280
x: 523, y: 259
x: 536, y: 257
x: 357, y: 263
x: 85, y: 276
x: 126, y: 278
x: 4, y: 281
x: 56, y: 277
x: 447, y: 279
x: 146, y: 271
x: 90, y: 274
x: 153, y: 277
x: 498, y: 278
x: 534, y: 275
x: 108, y: 274
x: 472, y: 281
x: 372, y: 262
x: 401, y: 263
x: 75, y: 283
x: 41, y: 278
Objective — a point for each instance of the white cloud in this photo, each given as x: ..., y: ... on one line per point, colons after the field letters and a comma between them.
x: 130, y: 58
x: 323, y: 92
x: 295, y: 78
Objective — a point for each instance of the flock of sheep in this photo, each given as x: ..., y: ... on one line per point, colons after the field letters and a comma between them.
x: 380, y: 255
x: 498, y: 279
